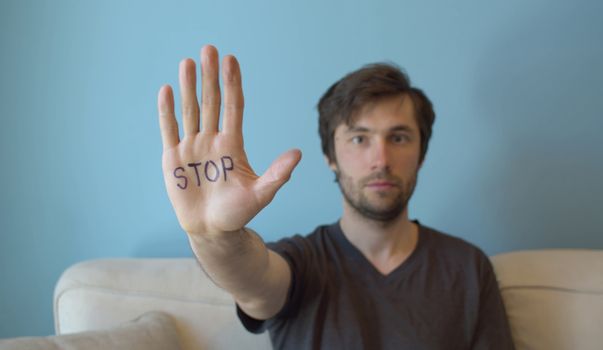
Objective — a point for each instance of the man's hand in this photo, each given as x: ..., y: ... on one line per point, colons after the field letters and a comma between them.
x: 208, y: 178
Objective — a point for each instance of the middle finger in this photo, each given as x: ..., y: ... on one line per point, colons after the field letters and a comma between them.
x: 210, y: 99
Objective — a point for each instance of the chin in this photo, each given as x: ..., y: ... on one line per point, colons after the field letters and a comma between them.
x: 383, y: 213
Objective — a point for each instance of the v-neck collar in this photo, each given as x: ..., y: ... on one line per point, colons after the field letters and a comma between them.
x: 353, y: 253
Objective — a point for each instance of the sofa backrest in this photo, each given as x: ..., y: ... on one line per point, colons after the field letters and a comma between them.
x: 100, y: 294
x: 553, y: 298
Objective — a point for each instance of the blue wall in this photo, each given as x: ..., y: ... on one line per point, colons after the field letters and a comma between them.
x: 516, y: 159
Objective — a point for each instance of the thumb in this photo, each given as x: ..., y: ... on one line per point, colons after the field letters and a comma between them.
x: 277, y: 174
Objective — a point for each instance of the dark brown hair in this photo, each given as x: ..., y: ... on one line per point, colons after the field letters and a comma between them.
x: 370, y: 83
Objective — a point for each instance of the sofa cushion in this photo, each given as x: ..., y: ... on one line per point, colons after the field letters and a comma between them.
x: 151, y: 331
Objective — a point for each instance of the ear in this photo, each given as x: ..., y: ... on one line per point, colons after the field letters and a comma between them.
x: 331, y: 165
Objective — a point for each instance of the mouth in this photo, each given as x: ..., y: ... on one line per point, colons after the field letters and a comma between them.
x: 381, y: 185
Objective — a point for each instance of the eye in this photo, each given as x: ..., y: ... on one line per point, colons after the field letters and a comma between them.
x: 358, y: 139
x: 400, y: 138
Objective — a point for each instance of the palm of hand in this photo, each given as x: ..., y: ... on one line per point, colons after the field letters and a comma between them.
x: 210, y: 181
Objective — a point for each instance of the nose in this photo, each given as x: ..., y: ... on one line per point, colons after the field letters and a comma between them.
x: 380, y: 155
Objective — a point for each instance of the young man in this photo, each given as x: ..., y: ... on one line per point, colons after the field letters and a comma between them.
x: 372, y: 280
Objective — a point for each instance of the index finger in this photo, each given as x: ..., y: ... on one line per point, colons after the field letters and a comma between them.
x: 167, y: 118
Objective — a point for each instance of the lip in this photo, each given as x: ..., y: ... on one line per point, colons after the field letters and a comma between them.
x: 380, y: 184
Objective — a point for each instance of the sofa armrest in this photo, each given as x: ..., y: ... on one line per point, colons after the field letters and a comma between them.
x: 151, y: 331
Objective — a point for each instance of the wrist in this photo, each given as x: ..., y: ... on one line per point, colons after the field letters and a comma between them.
x: 217, y: 237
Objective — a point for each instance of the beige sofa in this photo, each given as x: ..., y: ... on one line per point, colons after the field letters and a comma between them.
x: 554, y: 300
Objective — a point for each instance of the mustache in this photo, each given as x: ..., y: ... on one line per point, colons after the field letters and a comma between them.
x: 382, y: 175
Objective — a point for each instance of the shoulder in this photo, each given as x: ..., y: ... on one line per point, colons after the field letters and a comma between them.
x: 305, y: 246
x: 315, y: 238
x: 451, y: 249
x: 455, y: 259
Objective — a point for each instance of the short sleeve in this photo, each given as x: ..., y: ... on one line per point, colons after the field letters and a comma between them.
x: 492, y: 330
x: 299, y: 255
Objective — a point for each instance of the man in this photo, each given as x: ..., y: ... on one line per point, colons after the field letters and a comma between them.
x: 374, y: 279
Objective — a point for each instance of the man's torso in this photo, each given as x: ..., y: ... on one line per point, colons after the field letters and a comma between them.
x: 339, y: 300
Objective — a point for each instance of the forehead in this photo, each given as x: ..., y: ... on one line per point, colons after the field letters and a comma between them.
x: 384, y: 113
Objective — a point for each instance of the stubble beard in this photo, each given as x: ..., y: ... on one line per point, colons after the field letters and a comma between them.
x: 353, y: 193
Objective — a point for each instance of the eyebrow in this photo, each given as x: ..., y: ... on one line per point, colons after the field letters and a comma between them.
x: 355, y: 128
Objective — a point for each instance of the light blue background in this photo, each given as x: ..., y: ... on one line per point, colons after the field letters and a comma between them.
x: 515, y: 162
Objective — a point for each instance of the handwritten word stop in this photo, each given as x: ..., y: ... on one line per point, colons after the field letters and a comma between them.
x: 210, y: 170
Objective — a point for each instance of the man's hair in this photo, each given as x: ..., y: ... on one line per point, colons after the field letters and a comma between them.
x: 344, y: 99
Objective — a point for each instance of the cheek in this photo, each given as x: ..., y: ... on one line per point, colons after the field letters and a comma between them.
x: 411, y: 162
x: 349, y: 162
x: 408, y: 166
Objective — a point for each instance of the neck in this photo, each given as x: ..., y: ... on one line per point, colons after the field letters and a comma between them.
x: 385, y: 244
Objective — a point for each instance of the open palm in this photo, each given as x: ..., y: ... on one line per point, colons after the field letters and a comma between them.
x: 207, y: 175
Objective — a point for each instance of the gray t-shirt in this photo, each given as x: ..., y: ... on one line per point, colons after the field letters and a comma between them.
x: 444, y: 296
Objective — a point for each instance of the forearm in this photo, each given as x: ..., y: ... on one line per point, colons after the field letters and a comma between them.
x: 240, y: 263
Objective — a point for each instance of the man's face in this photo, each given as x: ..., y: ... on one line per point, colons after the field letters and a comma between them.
x: 377, y: 158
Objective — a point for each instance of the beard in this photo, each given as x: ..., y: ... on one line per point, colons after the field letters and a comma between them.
x: 387, y: 205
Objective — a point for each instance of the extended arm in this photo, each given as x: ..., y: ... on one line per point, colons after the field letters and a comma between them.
x: 215, y: 192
